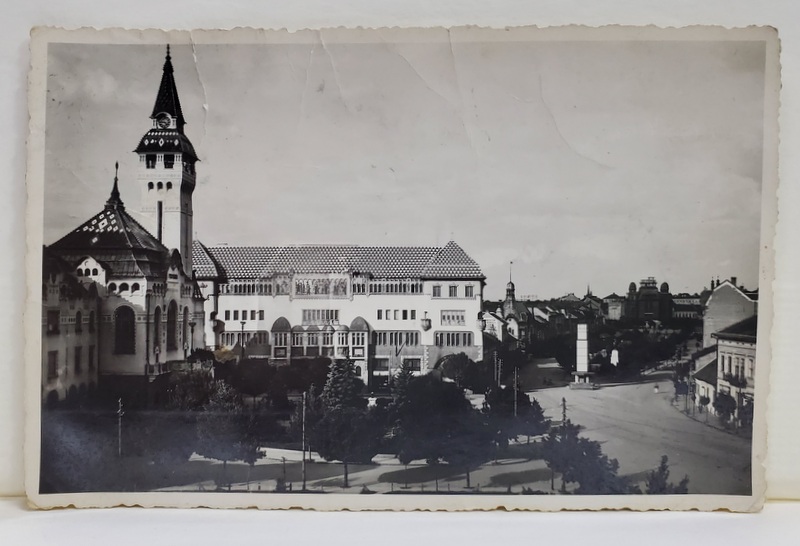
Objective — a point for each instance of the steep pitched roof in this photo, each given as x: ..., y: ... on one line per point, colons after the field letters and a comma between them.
x: 204, y: 265
x: 167, y: 100
x: 744, y: 330
x: 252, y: 262
x: 115, y: 238
x: 708, y: 373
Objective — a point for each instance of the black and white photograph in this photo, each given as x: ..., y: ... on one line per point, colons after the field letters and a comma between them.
x: 401, y: 268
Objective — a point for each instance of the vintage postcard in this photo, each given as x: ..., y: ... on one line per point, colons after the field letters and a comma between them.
x: 401, y: 269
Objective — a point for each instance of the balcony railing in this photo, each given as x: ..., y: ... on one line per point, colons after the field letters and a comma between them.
x: 735, y: 380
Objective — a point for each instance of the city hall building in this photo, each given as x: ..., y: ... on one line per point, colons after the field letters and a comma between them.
x: 120, y: 307
x: 382, y: 307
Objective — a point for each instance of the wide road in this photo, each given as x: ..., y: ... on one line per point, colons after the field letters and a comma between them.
x: 637, y: 426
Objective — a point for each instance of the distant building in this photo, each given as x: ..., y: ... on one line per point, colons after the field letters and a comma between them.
x: 726, y: 305
x: 614, y: 307
x: 687, y: 306
x: 649, y: 301
x: 736, y: 357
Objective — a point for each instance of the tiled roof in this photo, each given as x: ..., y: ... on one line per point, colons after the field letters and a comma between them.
x: 252, y: 262
x: 113, y: 237
x: 708, y: 373
x: 744, y: 330
x: 202, y: 262
x: 165, y: 141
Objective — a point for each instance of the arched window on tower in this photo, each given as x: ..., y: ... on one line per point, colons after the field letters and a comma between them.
x: 124, y: 331
x: 185, y: 327
x: 157, y: 328
x: 172, y: 326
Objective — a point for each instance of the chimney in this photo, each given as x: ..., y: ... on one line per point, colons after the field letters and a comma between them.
x: 733, y: 281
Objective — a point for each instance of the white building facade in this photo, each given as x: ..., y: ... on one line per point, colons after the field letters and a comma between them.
x: 379, y: 306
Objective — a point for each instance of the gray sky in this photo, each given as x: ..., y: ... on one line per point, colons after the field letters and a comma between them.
x: 583, y: 162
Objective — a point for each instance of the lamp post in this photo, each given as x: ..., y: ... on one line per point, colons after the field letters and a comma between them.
x: 242, y: 340
x: 192, y: 324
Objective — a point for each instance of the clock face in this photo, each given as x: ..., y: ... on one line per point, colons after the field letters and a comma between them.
x: 164, y: 122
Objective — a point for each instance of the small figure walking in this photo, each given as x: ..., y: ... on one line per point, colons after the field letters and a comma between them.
x: 655, y: 388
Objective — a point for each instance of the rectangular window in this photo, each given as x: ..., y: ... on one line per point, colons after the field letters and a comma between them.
x: 454, y: 317
x: 297, y: 340
x: 405, y: 314
x: 469, y: 291
x: 53, y: 320
x: 261, y: 314
x: 280, y: 339
x: 380, y: 314
x: 453, y: 291
x: 244, y: 314
x: 313, y: 339
x: 236, y: 314
x: 359, y: 338
x: 52, y: 364
x: 414, y: 364
x: 327, y: 338
x: 78, y: 364
x: 91, y: 358
x: 382, y: 364
x: 342, y: 338
x: 253, y: 314
x: 413, y: 315
x: 169, y: 161
x: 227, y: 314
x: 437, y: 291
x: 150, y: 161
x: 395, y: 314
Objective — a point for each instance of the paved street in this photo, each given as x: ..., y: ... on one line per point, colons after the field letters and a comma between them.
x: 636, y: 426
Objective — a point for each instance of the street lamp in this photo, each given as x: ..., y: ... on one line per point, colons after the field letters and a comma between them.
x: 242, y: 340
x: 192, y: 324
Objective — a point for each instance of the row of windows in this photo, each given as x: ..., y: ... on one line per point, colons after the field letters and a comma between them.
x: 257, y: 288
x: 382, y: 364
x: 159, y: 185
x: 53, y: 322
x: 77, y: 362
x: 320, y: 316
x: 737, y: 366
x: 410, y: 339
x: 86, y: 272
x: 397, y: 314
x: 150, y: 160
x: 454, y: 317
x: 253, y: 313
x: 452, y: 291
x: 386, y: 287
x: 123, y: 287
x: 453, y: 339
x: 389, y: 338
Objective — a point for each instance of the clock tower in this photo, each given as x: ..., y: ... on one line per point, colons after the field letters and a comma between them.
x: 167, y: 171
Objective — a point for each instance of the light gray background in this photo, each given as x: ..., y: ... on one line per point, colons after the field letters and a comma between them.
x: 62, y: 527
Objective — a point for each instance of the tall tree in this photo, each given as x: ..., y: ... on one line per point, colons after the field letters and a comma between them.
x: 220, y: 427
x: 580, y: 460
x: 343, y: 388
x: 346, y: 431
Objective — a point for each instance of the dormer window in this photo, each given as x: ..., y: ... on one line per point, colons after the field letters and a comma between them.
x: 169, y: 161
x: 150, y: 161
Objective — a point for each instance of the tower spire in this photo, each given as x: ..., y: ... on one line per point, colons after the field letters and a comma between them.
x: 114, y: 201
x: 167, y: 101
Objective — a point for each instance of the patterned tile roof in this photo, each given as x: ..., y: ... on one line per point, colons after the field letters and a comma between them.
x: 251, y: 262
x: 113, y: 237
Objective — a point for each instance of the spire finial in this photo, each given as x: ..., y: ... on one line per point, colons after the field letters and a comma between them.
x: 114, y: 200
x: 510, y: 265
x: 168, y: 55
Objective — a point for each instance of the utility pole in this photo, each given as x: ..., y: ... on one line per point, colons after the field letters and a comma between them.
x: 563, y: 414
x: 120, y: 413
x: 304, y: 441
x: 515, y: 392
